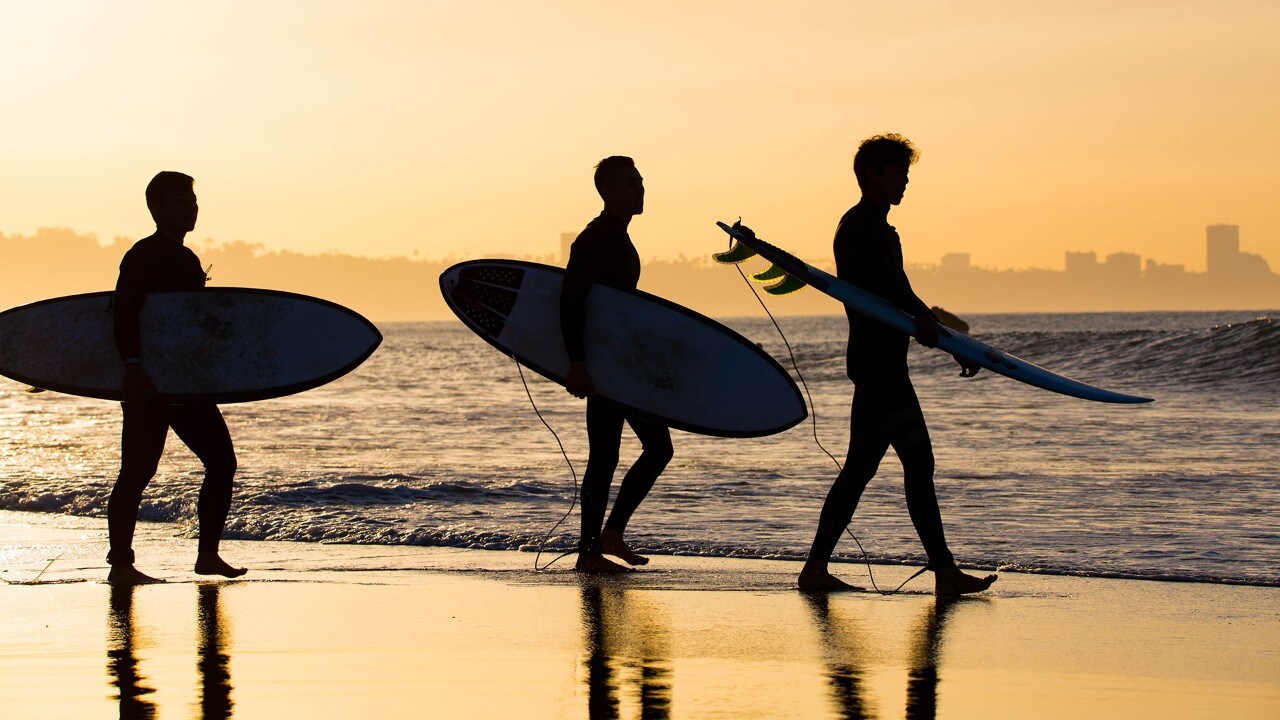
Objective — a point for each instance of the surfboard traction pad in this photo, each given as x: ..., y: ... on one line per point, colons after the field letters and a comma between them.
x: 487, y: 294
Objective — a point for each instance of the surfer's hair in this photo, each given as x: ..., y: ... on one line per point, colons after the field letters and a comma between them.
x: 608, y: 168
x: 881, y: 151
x: 164, y: 183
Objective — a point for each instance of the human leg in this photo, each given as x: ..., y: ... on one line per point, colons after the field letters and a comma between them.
x: 867, y: 446
x: 604, y: 435
x: 656, y: 452
x: 142, y: 439
x: 915, y: 449
x: 203, y: 429
x: 909, y: 437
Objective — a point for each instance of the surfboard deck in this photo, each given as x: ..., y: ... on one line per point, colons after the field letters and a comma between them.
x: 656, y: 359
x: 954, y: 342
x: 220, y: 345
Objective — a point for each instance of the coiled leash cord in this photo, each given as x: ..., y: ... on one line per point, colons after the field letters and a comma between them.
x: 572, y: 472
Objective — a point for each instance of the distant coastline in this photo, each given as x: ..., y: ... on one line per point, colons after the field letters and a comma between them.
x: 60, y: 261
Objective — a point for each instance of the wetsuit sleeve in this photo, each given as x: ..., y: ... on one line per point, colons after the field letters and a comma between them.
x: 126, y: 303
x: 573, y: 299
x: 906, y: 298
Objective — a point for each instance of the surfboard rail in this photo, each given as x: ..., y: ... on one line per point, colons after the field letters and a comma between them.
x: 513, y: 305
x: 82, y: 358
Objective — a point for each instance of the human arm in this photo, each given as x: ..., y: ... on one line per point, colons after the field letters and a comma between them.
x: 126, y: 304
x: 573, y: 321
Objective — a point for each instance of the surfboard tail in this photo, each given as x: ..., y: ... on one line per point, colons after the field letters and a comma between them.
x: 735, y: 254
x: 787, y: 285
x: 786, y: 282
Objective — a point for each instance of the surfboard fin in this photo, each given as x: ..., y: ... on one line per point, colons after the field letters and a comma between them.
x: 33, y: 390
x: 736, y: 254
x: 773, y: 273
x: 787, y: 285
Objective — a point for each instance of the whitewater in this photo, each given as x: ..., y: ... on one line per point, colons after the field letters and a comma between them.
x: 434, y: 442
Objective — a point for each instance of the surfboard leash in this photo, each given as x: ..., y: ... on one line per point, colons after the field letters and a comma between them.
x: 572, y: 472
x: 35, y: 580
x: 813, y: 415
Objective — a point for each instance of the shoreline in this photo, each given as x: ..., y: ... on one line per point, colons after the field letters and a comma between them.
x: 401, y: 631
x: 846, y: 566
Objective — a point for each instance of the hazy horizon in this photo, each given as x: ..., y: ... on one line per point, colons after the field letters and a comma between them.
x: 553, y: 250
x: 59, y: 261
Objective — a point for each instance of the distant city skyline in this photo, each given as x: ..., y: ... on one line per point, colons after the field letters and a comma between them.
x: 1223, y: 258
x: 56, y: 262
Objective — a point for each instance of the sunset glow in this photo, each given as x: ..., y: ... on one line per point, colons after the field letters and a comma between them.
x: 463, y: 129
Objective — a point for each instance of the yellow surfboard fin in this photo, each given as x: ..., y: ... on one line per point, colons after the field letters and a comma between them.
x: 773, y: 273
x: 787, y: 285
x: 736, y: 254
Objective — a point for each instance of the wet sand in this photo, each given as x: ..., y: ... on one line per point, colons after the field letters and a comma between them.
x: 373, y: 631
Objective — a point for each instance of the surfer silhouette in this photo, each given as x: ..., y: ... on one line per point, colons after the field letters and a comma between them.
x: 885, y: 411
x: 158, y: 263
x: 603, y: 254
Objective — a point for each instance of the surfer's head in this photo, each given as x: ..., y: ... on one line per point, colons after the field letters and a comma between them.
x: 881, y: 165
x: 171, y: 198
x: 620, y: 185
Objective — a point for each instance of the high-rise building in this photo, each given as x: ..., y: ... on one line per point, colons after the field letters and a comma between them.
x: 1223, y: 245
x: 1082, y: 263
x: 1124, y: 265
x: 955, y: 262
x: 1161, y: 271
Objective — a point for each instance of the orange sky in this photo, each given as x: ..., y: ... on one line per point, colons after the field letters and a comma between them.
x: 470, y: 129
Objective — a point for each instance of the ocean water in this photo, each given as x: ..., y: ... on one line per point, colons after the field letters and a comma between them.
x: 434, y: 442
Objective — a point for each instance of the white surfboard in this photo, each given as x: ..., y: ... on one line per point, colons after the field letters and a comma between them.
x: 655, y: 358
x: 220, y: 345
x: 877, y: 308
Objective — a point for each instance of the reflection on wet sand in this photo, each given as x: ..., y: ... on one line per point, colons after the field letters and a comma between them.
x: 122, y: 661
x: 846, y: 651
x: 922, y: 678
x: 624, y: 636
x: 213, y: 663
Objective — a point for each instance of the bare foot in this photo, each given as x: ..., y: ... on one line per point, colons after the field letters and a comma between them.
x: 821, y: 581
x: 613, y: 545
x: 208, y: 563
x: 129, y: 575
x: 950, y: 582
x: 597, y: 563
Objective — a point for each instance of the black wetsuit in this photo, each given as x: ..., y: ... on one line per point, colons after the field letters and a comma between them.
x: 158, y: 264
x: 603, y: 254
x: 885, y: 410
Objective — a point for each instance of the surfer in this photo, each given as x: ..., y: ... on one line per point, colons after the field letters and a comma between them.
x: 161, y: 263
x: 603, y: 253
x: 885, y: 412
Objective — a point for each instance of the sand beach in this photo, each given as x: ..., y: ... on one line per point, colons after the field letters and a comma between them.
x: 325, y: 630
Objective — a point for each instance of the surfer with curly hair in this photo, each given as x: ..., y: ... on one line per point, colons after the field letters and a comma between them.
x: 604, y: 254
x: 885, y: 412
x: 158, y: 263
